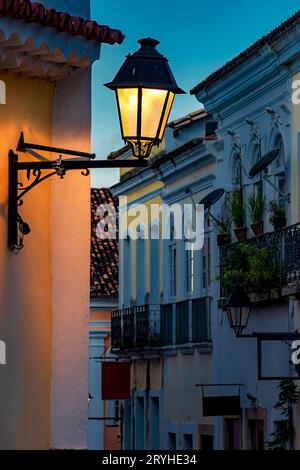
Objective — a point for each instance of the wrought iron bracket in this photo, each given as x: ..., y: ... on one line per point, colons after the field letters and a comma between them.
x: 17, y: 228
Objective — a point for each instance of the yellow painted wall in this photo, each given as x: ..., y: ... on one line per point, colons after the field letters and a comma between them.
x: 140, y: 192
x: 25, y: 277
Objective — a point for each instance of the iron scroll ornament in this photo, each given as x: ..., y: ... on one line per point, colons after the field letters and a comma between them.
x: 17, y: 227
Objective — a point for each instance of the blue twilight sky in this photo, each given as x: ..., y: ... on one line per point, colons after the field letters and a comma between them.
x: 197, y: 36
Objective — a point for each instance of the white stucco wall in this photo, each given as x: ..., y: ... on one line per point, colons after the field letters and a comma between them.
x: 70, y: 235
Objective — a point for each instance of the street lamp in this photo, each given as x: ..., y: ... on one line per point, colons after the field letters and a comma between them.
x: 238, y: 309
x: 145, y: 88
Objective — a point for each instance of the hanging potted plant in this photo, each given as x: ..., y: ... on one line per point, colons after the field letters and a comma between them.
x: 238, y: 214
x: 277, y: 215
x: 256, y: 205
x: 223, y: 237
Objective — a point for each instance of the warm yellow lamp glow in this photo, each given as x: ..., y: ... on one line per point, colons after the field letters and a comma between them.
x: 145, y: 88
x: 144, y: 114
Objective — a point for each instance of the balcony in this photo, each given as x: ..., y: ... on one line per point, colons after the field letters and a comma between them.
x: 149, y: 327
x: 135, y: 327
x: 267, y: 266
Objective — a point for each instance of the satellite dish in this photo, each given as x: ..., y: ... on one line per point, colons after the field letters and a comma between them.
x: 211, y: 198
x: 263, y: 162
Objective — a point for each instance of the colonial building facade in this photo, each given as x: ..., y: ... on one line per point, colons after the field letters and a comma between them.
x: 164, y: 323
x: 252, y: 99
x: 187, y: 340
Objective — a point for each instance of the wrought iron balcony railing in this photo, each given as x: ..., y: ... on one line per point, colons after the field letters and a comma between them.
x: 135, y: 327
x: 282, y: 260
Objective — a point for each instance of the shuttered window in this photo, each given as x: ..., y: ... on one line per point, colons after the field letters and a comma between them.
x: 166, y: 324
x: 201, y: 318
x: 182, y: 322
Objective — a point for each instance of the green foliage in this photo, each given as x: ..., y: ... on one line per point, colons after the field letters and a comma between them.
x: 247, y: 265
x: 237, y: 208
x: 287, y: 398
x: 276, y: 212
x: 256, y: 205
x: 224, y: 226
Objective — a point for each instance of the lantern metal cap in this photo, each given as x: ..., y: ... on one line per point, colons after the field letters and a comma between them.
x: 238, y: 298
x: 146, y: 68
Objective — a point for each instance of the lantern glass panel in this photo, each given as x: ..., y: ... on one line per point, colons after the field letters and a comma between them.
x: 166, y: 116
x: 128, y: 106
x: 153, y: 102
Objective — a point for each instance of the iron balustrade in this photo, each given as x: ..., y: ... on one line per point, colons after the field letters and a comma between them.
x: 284, y: 255
x: 136, y: 327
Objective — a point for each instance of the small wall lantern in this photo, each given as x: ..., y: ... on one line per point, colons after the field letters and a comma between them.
x: 238, y: 310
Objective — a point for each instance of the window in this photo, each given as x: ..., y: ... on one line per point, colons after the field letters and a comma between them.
x: 187, y: 441
x: 201, y: 320
x: 189, y: 270
x: 172, y: 440
x: 140, y: 260
x: 140, y: 424
x: 278, y: 144
x: 210, y: 128
x: 280, y: 171
x: 155, y: 264
x: 167, y: 324
x: 154, y: 424
x: 113, y: 411
x: 206, y: 263
x: 236, y: 175
x: 182, y: 322
x: 127, y: 272
x: 172, y: 261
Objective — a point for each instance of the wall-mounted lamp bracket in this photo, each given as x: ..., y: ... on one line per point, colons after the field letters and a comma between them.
x: 17, y: 228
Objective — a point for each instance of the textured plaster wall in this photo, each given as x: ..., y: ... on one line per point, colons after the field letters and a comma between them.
x: 184, y: 398
x: 70, y: 236
x: 25, y: 278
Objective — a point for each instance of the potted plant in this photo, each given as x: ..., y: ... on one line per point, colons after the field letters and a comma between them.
x: 256, y: 205
x: 248, y: 266
x: 223, y: 237
x: 277, y: 215
x: 238, y: 214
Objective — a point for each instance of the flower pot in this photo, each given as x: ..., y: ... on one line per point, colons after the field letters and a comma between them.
x: 241, y: 233
x: 257, y: 228
x: 223, y: 239
x: 279, y: 223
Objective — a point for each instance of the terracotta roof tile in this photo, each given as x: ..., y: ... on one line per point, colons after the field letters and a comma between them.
x: 104, y: 253
x: 269, y: 39
x: 62, y: 21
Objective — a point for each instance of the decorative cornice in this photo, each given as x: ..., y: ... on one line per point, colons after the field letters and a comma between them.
x: 180, y: 193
